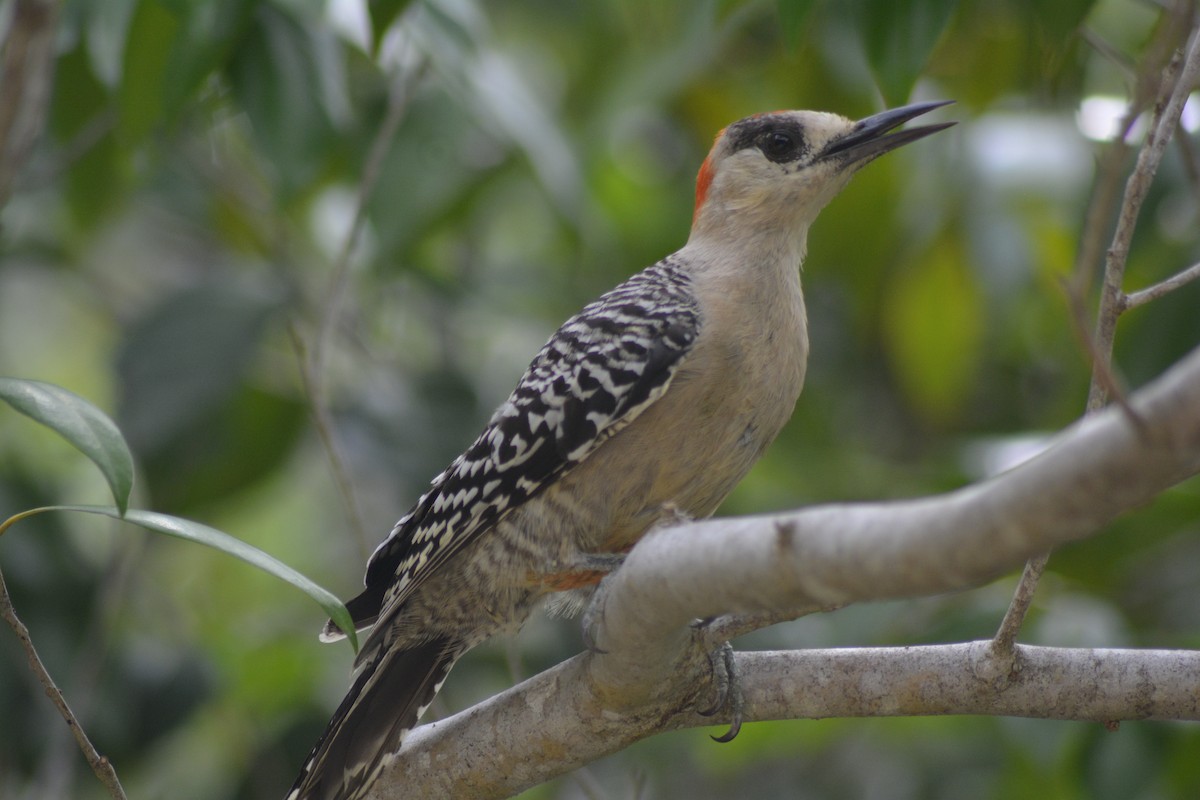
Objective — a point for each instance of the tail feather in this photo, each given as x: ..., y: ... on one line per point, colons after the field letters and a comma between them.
x: 364, y: 610
x: 390, y: 694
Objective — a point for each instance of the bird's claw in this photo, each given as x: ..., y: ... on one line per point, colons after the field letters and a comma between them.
x: 728, y: 689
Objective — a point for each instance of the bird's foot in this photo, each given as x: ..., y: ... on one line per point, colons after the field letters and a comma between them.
x: 723, y: 668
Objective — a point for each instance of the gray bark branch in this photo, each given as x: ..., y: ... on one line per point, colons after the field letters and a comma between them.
x: 654, y: 668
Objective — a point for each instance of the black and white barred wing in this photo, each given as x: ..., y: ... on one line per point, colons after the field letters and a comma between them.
x: 598, y: 372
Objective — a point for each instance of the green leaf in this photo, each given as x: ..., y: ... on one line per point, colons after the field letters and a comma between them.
x: 148, y: 47
x: 80, y: 423
x: 96, y: 181
x: 899, y: 36
x: 383, y: 14
x: 209, y: 33
x: 219, y: 540
x: 288, y: 77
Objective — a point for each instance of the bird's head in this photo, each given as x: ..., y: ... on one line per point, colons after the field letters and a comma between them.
x: 778, y: 170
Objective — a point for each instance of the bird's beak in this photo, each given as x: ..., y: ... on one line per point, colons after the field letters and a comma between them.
x: 869, y: 138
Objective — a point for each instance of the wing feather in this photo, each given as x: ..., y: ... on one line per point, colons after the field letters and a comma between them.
x: 599, y: 371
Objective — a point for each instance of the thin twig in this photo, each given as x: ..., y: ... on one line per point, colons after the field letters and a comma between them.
x: 28, y: 70
x: 1018, y: 609
x: 396, y: 108
x: 1103, y: 201
x: 1135, y: 299
x: 1177, y: 81
x: 1102, y: 367
x: 99, y: 764
x: 90, y: 660
x: 1102, y: 46
x: 313, y: 359
x: 1101, y: 206
x: 323, y: 423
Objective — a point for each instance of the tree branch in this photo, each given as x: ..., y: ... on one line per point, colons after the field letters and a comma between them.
x: 1098, y: 685
x: 653, y: 667
x: 1018, y: 607
x: 1177, y: 83
x: 99, y: 764
x: 1176, y: 281
x: 28, y: 81
x: 548, y: 726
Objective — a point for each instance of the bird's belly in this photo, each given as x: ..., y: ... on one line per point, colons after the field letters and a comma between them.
x: 684, y: 454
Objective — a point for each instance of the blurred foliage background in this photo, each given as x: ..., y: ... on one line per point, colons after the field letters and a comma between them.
x: 174, y: 251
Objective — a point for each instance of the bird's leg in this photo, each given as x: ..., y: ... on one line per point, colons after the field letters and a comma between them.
x: 577, y: 582
x: 583, y: 570
x: 593, y: 612
x: 728, y: 688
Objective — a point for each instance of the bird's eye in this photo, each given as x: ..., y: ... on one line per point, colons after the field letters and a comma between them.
x: 779, y: 146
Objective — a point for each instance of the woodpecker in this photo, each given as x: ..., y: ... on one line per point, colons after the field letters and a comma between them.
x: 660, y: 394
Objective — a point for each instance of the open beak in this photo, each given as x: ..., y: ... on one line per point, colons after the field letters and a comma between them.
x: 869, y: 138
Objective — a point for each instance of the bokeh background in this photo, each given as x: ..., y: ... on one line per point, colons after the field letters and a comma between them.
x: 171, y: 252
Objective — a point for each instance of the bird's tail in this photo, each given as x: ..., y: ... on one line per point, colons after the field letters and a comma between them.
x: 389, y: 695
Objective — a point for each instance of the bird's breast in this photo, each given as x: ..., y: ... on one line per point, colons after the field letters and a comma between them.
x: 728, y: 401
